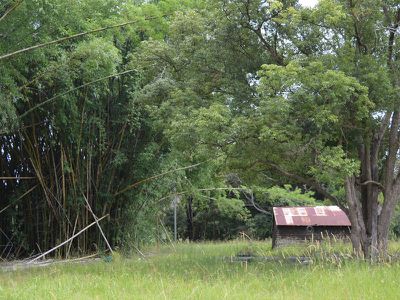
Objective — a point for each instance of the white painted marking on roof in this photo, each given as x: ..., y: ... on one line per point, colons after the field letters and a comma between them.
x: 289, y: 219
x: 320, y: 211
x: 295, y: 211
x: 301, y: 211
x: 334, y: 208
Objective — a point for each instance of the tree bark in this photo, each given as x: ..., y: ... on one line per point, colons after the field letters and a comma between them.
x: 370, y: 223
x: 358, y: 232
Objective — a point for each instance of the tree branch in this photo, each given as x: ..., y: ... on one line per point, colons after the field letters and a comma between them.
x: 311, y: 183
x: 392, y: 34
x: 373, y: 182
x: 276, y: 56
x: 378, y: 137
x: 392, y: 152
x: 357, y: 33
x: 271, y: 49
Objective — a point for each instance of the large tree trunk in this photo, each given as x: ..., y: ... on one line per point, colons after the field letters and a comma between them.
x: 363, y: 215
x: 391, y: 198
x: 369, y: 198
x: 370, y: 222
x: 355, y: 212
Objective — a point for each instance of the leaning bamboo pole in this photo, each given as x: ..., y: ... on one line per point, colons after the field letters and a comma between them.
x: 63, y: 243
x: 17, y: 178
x: 23, y: 195
x: 11, y: 9
x: 74, y: 36
x: 135, y: 184
x: 98, y: 225
x: 73, y: 90
x: 73, y: 232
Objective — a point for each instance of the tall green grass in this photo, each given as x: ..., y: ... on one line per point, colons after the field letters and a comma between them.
x: 205, y: 271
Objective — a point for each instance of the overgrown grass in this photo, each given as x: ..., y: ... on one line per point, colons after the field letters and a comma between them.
x: 205, y: 271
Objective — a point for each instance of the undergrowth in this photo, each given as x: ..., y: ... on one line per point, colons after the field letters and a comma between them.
x: 207, y: 271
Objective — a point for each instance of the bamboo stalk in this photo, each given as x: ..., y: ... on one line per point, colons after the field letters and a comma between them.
x: 23, y: 195
x: 133, y: 185
x: 74, y: 36
x: 118, y: 148
x: 81, y: 258
x: 72, y: 90
x: 63, y: 243
x: 73, y: 232
x: 98, y: 225
x: 16, y: 178
x: 63, y: 190
x: 10, y: 10
x: 200, y: 190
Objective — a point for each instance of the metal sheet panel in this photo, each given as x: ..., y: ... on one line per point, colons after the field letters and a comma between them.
x: 310, y: 216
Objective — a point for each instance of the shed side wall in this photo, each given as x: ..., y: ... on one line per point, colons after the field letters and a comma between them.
x: 284, y: 235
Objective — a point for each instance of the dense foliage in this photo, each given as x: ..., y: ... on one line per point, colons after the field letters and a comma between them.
x: 116, y: 108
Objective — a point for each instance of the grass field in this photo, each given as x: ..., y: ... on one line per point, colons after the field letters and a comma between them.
x: 205, y: 271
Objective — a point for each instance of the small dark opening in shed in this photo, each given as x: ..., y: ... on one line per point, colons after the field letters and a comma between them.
x: 299, y: 224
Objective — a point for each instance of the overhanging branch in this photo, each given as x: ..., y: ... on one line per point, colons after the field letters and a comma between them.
x: 373, y: 182
x: 311, y: 183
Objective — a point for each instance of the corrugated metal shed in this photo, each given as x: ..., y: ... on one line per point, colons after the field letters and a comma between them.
x: 310, y: 216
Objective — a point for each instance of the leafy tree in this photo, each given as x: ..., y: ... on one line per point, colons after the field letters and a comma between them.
x: 320, y: 112
x: 325, y: 113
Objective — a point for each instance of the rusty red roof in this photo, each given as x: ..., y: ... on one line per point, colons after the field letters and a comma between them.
x: 311, y: 216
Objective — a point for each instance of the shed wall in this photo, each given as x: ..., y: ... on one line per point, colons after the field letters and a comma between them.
x: 284, y: 235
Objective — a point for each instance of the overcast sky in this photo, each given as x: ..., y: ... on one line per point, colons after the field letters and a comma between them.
x: 309, y: 3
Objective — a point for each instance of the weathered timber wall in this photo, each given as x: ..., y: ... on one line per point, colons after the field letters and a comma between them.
x: 284, y: 235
